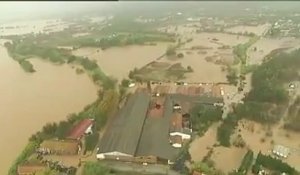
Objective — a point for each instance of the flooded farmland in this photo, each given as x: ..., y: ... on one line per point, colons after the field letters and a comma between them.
x: 29, y: 101
x: 257, y: 30
x: 200, y: 146
x: 259, y: 141
x: 264, y: 46
x: 33, y: 26
x: 117, y: 62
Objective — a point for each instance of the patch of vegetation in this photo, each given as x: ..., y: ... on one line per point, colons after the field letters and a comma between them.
x: 272, y: 164
x: 259, y: 112
x: 27, y: 66
x: 232, y: 77
x: 189, y: 69
x: 91, y: 141
x: 125, y: 82
x: 268, y: 97
x: 293, y: 118
x: 79, y: 71
x: 206, y: 169
x: 245, y: 69
x: 179, y: 164
x: 123, y: 39
x: 95, y: 168
x: 180, y: 55
x: 171, y: 51
x: 240, y: 51
x: 246, y: 162
x: 21, y: 51
x: 226, y: 129
x: 203, y: 116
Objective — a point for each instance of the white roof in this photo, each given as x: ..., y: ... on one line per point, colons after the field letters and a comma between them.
x: 281, y: 151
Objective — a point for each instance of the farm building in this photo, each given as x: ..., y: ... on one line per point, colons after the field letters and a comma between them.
x: 178, y: 130
x: 82, y: 128
x: 29, y: 169
x: 120, y: 141
x: 60, y: 147
x: 149, y: 129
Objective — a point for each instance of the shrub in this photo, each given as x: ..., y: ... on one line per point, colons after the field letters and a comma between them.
x: 274, y: 164
x: 27, y: 66
x: 91, y: 141
x: 95, y: 168
x: 180, y: 55
x: 226, y: 129
x: 246, y: 162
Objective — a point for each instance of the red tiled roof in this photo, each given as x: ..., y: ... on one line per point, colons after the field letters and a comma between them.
x: 161, y: 89
x: 195, y: 90
x: 156, y: 112
x: 181, y: 90
x: 78, y: 131
x: 177, y: 120
x: 216, y: 91
x: 30, y: 169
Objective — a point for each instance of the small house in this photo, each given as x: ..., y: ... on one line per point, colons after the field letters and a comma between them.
x: 82, y: 128
x: 29, y: 169
x: 60, y: 147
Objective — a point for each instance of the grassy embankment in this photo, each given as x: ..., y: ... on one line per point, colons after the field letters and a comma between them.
x: 240, y: 57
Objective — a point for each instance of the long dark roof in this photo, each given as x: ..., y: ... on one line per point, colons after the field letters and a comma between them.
x: 155, y: 137
x: 124, y: 133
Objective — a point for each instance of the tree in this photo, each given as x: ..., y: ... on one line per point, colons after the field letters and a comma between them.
x: 27, y: 66
x: 170, y: 51
x: 91, y: 141
x: 95, y: 168
x: 109, y: 83
x: 226, y: 129
x: 190, y: 69
x: 246, y: 162
x: 125, y: 82
x: 232, y: 77
x: 49, y: 128
x: 62, y: 129
x: 180, y: 55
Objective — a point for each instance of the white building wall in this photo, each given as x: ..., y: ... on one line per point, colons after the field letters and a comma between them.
x: 115, y: 153
x: 89, y: 130
x: 177, y: 145
x: 183, y: 136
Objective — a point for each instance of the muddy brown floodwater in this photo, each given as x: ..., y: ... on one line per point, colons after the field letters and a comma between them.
x: 118, y: 61
x: 29, y: 101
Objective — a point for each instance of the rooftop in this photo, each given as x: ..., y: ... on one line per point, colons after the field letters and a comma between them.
x: 61, y: 145
x: 124, y: 133
x: 155, y: 136
x: 26, y: 169
x: 78, y: 131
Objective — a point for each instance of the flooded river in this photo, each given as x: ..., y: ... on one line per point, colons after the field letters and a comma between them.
x: 29, y: 101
